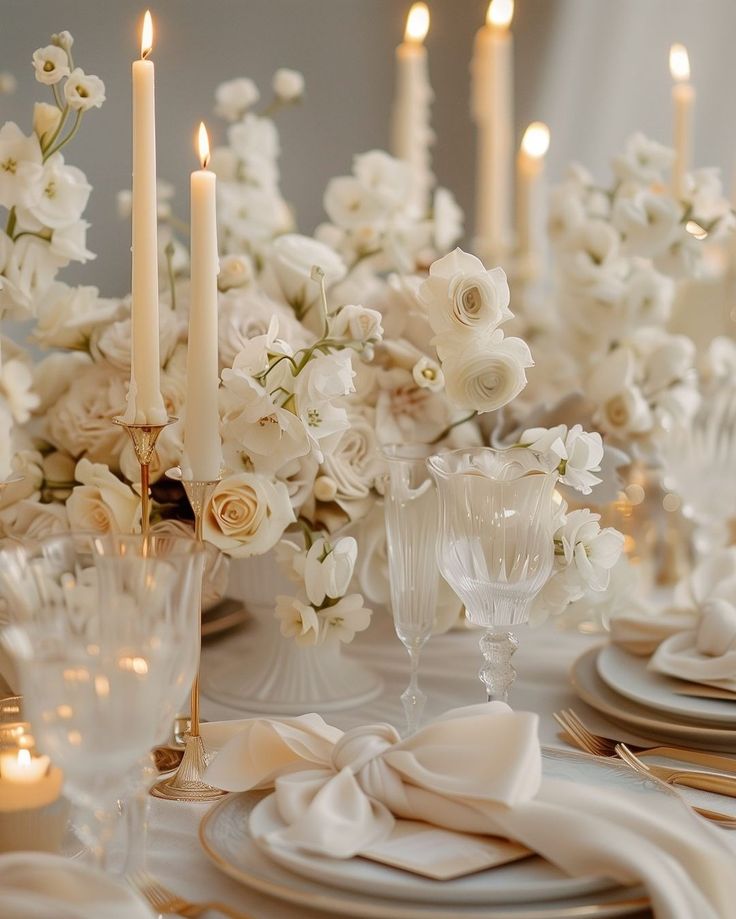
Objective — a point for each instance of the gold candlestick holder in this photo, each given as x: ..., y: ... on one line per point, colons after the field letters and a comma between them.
x: 187, y: 783
x: 143, y: 438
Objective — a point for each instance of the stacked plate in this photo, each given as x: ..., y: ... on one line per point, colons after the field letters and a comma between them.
x: 232, y: 834
x: 620, y: 686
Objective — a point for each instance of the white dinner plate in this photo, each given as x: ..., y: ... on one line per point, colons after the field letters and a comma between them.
x: 644, y: 721
x: 358, y: 887
x: 628, y: 675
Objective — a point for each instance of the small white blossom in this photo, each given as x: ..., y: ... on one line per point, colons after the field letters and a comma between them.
x: 51, y: 64
x: 328, y: 569
x: 346, y: 617
x: 234, y: 97
x: 298, y: 621
x: 288, y: 85
x: 427, y: 374
x: 20, y: 167
x: 83, y: 91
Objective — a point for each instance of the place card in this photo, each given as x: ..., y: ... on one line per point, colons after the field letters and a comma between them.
x: 442, y: 854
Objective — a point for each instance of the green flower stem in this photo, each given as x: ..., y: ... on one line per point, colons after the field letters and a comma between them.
x: 455, y: 424
x: 52, y: 140
x: 170, y: 271
x: 12, y: 220
x: 62, y: 143
x: 57, y: 97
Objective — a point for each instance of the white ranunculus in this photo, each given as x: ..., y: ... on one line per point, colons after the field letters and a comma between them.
x: 484, y: 377
x: 247, y: 514
x: 234, y: 97
x: 353, y: 464
x: 65, y: 192
x: 288, y: 85
x: 102, y: 503
x: 328, y: 569
x: 357, y: 323
x: 51, y: 64
x: 647, y: 222
x: 345, y: 618
x: 298, y: 621
x: 83, y: 91
x: 447, y: 216
x: 46, y: 120
x: 235, y: 271
x: 67, y: 316
x: 30, y: 521
x: 643, y: 161
x: 427, y: 374
x: 80, y: 422
x: 460, y: 294
x: 20, y: 167
x: 16, y: 381
x: 584, y: 455
x: 292, y: 261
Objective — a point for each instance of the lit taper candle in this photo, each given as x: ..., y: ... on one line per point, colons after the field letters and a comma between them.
x: 202, y: 460
x: 683, y: 100
x: 145, y: 403
x: 529, y: 203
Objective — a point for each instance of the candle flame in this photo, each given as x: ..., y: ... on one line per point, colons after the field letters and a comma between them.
x: 679, y: 63
x: 147, y: 35
x: 24, y: 758
x: 535, y: 142
x: 417, y: 23
x: 204, y: 145
x: 500, y: 13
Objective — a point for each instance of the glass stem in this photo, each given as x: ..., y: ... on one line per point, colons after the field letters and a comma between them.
x: 413, y: 698
x: 497, y: 672
x: 136, y: 819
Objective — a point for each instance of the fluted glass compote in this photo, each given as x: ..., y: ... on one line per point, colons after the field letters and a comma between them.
x: 103, y: 634
x: 495, y: 546
x: 411, y: 512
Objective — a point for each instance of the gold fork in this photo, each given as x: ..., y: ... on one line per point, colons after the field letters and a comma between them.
x: 164, y: 900
x: 672, y: 777
x: 598, y: 745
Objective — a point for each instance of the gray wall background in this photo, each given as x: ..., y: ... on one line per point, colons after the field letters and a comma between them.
x: 595, y: 70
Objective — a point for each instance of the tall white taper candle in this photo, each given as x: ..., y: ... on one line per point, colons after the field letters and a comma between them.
x: 683, y: 100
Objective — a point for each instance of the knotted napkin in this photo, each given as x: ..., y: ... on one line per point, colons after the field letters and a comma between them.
x: 706, y: 654
x: 476, y: 769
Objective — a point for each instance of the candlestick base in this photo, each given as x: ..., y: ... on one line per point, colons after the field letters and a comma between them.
x: 187, y: 784
x: 144, y: 437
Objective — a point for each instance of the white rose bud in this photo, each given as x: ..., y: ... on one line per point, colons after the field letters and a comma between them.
x: 288, y: 84
x: 63, y: 40
x: 358, y: 323
x: 325, y: 488
x: 45, y: 119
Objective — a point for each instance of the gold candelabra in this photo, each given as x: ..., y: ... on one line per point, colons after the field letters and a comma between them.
x: 143, y: 438
x: 187, y: 783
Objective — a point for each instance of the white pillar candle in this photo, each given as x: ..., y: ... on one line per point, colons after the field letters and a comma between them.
x: 412, y: 134
x: 145, y: 403
x: 492, y: 110
x: 202, y: 447
x: 529, y: 195
x: 683, y: 100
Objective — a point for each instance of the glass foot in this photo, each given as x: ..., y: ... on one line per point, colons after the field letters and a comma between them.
x: 187, y: 783
x: 497, y: 672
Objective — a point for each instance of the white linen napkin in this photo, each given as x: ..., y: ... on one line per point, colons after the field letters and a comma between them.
x: 706, y: 654
x: 476, y: 769
x: 35, y: 885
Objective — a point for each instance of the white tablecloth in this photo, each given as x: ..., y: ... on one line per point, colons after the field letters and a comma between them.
x: 448, y: 675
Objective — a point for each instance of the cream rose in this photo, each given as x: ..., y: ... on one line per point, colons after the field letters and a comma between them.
x: 102, y: 503
x: 248, y: 514
x: 485, y: 376
x: 353, y: 465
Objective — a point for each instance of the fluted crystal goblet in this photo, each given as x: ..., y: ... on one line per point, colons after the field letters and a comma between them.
x: 495, y: 546
x: 411, y: 512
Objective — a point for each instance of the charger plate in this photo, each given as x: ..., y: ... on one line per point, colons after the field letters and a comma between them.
x: 628, y: 675
x: 530, y: 889
x: 644, y: 721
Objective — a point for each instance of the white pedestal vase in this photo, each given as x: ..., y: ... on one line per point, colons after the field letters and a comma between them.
x: 272, y: 674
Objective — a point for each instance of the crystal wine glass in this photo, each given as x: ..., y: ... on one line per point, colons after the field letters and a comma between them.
x: 411, y: 513
x: 99, y: 638
x: 495, y: 546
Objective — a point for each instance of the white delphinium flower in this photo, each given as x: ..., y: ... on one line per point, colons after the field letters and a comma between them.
x: 346, y: 617
x: 51, y: 64
x: 427, y: 374
x: 643, y: 160
x: 648, y: 296
x: 708, y: 206
x: 64, y: 196
x: 20, y: 167
x: 328, y: 568
x: 574, y: 454
x: 83, y: 91
x: 16, y: 380
x: 298, y: 621
x: 254, y: 138
x: 320, y: 384
x: 647, y: 222
x: 460, y: 293
x: 69, y: 244
x: 288, y: 85
x: 234, y: 97
x: 591, y: 255
x: 592, y: 550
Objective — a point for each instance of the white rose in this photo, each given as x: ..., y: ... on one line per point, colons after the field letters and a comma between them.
x: 112, y: 341
x: 102, y: 503
x: 53, y: 375
x: 427, y: 374
x: 30, y: 521
x: 234, y: 97
x: 357, y: 323
x: 246, y: 313
x: 460, y: 294
x: 293, y: 258
x: 353, y: 465
x: 51, y: 64
x: 27, y: 465
x: 83, y: 91
x: 16, y: 380
x: 235, y: 271
x: 67, y: 316
x: 298, y: 621
x: 20, y: 167
x: 288, y: 85
x: 485, y: 376
x: 81, y: 420
x: 328, y: 569
x: 247, y: 514
x: 345, y: 618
